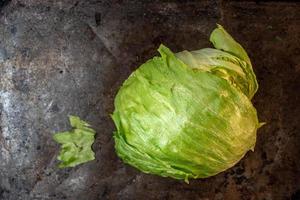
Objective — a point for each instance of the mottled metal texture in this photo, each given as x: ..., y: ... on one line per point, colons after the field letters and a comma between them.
x: 70, y: 57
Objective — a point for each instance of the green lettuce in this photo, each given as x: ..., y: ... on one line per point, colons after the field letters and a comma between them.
x: 75, y: 144
x: 188, y: 115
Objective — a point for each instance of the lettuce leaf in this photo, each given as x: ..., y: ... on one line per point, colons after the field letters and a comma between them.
x: 76, y: 143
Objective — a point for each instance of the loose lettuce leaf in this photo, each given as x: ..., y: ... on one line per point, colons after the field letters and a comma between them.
x: 75, y: 144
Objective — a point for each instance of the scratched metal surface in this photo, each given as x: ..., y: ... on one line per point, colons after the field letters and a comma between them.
x: 70, y: 57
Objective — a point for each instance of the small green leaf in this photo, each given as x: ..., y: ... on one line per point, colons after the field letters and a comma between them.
x: 76, y: 144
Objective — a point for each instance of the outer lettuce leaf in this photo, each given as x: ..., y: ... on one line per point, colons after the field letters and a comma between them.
x: 182, y: 122
x: 218, y: 62
x: 75, y: 144
x: 229, y: 60
x: 223, y: 41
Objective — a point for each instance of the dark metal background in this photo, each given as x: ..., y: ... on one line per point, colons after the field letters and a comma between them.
x: 69, y: 57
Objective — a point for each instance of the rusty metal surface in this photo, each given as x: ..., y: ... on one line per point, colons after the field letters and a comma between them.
x: 70, y: 57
